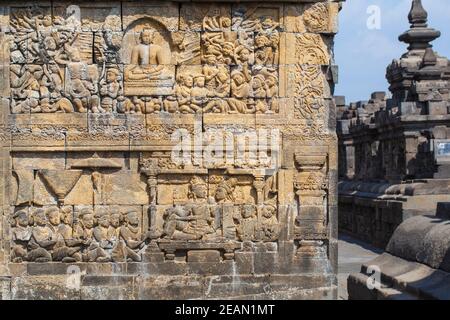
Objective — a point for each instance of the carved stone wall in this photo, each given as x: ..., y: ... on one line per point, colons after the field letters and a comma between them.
x: 148, y: 146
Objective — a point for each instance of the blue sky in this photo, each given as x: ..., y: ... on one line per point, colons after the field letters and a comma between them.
x: 363, y: 54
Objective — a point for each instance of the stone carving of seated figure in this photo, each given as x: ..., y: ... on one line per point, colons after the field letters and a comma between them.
x: 177, y: 226
x: 131, y: 240
x: 147, y: 59
x: 104, y: 236
x: 42, y: 240
x: 65, y: 229
x: 21, y: 235
x: 61, y: 251
x: 195, y: 220
x: 84, y: 230
x: 204, y: 222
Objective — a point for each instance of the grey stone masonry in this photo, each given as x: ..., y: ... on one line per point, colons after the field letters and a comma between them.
x: 394, y: 149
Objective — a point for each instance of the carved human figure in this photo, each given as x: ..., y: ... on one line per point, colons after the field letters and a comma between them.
x: 65, y: 229
x: 246, y: 222
x: 228, y: 55
x: 115, y: 223
x: 213, y: 43
x: 269, y: 228
x: 147, y: 59
x: 203, y: 222
x: 263, y: 50
x: 259, y: 86
x: 216, y: 79
x: 199, y: 93
x: 42, y: 240
x: 177, y: 225
x: 170, y: 104
x: 271, y: 86
x: 110, y: 90
x: 224, y: 196
x: 242, y: 55
x: 84, y: 230
x: 26, y: 88
x: 60, y: 250
x: 225, y: 191
x: 105, y: 237
x: 240, y: 86
x: 183, y: 92
x: 21, y: 235
x: 131, y: 239
x: 240, y: 91
x: 81, y: 89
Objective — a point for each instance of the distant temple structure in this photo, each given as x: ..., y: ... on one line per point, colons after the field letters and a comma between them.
x: 394, y: 174
x: 394, y: 152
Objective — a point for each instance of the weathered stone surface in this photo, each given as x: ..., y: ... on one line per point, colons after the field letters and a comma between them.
x: 167, y: 150
x: 414, y: 266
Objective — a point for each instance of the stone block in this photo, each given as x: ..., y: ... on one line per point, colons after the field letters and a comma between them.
x: 54, y: 287
x: 437, y: 108
x: 201, y: 256
x: 379, y: 95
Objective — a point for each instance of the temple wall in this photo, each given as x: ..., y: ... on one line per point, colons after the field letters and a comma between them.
x: 168, y: 150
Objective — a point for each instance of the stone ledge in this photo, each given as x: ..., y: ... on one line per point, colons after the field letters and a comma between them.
x: 400, y: 280
x: 179, y: 287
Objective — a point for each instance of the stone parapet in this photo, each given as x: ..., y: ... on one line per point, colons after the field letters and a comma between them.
x: 415, y: 266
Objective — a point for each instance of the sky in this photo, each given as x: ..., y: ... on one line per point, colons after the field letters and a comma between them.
x: 363, y: 54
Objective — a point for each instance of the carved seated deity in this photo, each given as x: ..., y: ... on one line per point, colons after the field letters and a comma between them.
x: 195, y: 220
x: 147, y: 73
x: 204, y: 222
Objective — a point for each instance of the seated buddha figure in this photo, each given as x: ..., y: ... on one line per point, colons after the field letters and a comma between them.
x: 147, y: 59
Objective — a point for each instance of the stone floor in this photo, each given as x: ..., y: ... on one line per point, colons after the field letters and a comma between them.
x: 352, y: 253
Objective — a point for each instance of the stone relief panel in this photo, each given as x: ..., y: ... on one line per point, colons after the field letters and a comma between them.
x: 215, y: 208
x: 318, y: 18
x: 97, y: 92
x: 77, y: 60
x: 101, y: 207
x: 83, y: 234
